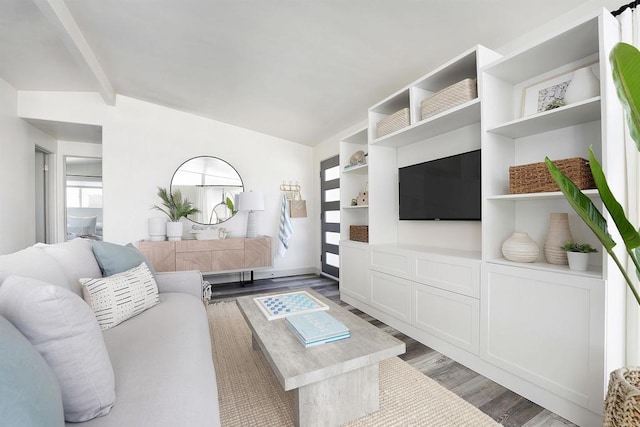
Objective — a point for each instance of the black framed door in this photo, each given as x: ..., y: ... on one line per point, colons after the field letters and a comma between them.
x: 330, y: 216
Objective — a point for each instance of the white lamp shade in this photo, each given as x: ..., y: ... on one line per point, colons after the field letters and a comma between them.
x: 251, y: 201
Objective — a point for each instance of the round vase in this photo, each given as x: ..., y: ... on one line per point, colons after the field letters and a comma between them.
x: 578, y: 261
x: 174, y: 231
x: 557, y: 235
x: 157, y: 229
x: 583, y: 85
x: 520, y: 248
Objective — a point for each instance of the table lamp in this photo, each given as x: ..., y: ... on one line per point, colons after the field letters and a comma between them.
x: 251, y: 201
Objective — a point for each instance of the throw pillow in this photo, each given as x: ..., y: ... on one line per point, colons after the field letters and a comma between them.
x: 113, y: 258
x: 64, y: 331
x: 29, y: 390
x: 121, y: 296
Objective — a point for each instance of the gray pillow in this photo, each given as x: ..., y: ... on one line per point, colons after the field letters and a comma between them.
x: 64, y: 330
x: 29, y: 390
x: 113, y: 258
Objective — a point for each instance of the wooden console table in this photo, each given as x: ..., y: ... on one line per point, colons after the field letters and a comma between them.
x: 209, y: 256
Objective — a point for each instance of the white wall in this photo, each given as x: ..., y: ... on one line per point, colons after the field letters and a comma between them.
x: 144, y: 143
x: 17, y: 174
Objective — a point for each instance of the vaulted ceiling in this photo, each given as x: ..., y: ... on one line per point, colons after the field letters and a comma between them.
x: 301, y: 70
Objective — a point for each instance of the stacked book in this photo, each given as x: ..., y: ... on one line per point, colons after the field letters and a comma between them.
x: 316, y: 328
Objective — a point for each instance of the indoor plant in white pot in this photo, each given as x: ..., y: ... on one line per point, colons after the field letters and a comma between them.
x: 175, y: 207
x: 578, y: 255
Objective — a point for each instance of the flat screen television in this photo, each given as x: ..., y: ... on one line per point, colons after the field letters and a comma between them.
x: 442, y: 189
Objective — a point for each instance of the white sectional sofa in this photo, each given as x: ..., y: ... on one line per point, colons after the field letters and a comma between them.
x: 161, y: 358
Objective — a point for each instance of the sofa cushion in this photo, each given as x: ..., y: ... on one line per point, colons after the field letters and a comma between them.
x: 164, y: 368
x: 29, y: 390
x: 35, y: 263
x: 62, y: 327
x: 113, y: 258
x: 76, y: 259
x: 120, y: 296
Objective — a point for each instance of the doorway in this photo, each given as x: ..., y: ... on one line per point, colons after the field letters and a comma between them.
x: 42, y: 196
x: 330, y: 216
x: 83, y: 197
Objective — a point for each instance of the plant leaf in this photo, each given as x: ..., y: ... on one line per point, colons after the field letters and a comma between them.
x: 625, y: 64
x: 583, y: 206
x: 628, y: 232
x: 230, y: 204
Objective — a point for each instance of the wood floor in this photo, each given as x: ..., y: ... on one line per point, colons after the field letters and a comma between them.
x: 501, y: 404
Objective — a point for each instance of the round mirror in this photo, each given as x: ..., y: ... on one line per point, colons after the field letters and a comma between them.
x: 211, y: 184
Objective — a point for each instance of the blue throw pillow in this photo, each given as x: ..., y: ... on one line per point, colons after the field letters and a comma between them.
x: 29, y: 390
x: 113, y: 258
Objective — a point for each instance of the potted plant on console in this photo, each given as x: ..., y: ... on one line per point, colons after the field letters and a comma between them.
x: 578, y: 255
x: 175, y: 207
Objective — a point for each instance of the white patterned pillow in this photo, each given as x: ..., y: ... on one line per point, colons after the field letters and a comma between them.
x: 117, y: 298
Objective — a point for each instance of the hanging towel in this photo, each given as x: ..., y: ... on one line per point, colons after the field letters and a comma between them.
x: 286, y: 228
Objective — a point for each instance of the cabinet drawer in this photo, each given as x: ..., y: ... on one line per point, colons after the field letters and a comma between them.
x: 447, y: 315
x: 209, y: 245
x: 193, y: 261
x: 161, y: 255
x: 227, y: 260
x: 458, y: 275
x: 390, y: 294
x: 391, y: 262
x: 257, y: 252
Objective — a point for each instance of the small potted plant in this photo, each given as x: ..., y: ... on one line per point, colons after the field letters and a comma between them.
x: 578, y: 254
x: 175, y: 207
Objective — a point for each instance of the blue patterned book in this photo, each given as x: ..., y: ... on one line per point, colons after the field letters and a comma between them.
x: 316, y: 328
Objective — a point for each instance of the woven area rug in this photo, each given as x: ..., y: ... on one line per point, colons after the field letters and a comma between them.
x: 250, y: 394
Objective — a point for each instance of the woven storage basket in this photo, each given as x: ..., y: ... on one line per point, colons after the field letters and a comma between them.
x: 392, y: 123
x: 622, y: 403
x: 449, y: 97
x: 535, y: 177
x: 359, y: 233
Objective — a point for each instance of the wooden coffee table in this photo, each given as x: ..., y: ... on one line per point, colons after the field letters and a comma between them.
x: 334, y: 382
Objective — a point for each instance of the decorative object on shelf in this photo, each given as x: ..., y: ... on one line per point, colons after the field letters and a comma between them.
x: 520, y: 248
x: 358, y: 158
x: 535, y: 177
x: 392, y: 123
x: 578, y: 255
x: 557, y: 235
x: 209, y: 233
x: 622, y: 403
x: 363, y: 196
x: 251, y: 201
x: 157, y: 229
x: 449, y: 97
x: 175, y: 207
x: 359, y: 233
x: 354, y: 202
x: 584, y: 85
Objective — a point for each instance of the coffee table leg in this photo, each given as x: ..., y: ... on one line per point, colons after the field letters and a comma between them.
x: 339, y: 399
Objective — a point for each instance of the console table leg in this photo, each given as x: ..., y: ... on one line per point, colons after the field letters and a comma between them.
x: 339, y: 399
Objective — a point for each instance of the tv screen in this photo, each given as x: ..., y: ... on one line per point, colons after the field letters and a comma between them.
x: 442, y: 189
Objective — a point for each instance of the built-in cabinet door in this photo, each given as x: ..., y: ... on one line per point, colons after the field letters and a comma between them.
x: 391, y: 295
x: 257, y: 252
x: 548, y: 328
x: 354, y: 280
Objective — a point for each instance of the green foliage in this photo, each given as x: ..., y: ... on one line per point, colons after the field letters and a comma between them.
x: 175, y: 207
x: 230, y: 205
x: 625, y: 64
x: 584, y: 248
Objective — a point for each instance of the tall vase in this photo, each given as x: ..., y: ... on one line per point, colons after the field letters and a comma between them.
x: 584, y: 85
x: 557, y: 235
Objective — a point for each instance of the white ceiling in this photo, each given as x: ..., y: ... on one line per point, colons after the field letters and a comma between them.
x: 301, y: 70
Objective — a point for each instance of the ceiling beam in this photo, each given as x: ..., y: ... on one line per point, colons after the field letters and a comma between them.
x: 59, y: 16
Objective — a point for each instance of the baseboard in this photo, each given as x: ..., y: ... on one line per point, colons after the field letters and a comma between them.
x: 259, y: 274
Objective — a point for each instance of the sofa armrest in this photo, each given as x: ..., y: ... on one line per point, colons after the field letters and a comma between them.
x: 189, y: 282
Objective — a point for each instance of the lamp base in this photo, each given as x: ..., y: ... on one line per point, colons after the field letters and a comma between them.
x: 251, y: 225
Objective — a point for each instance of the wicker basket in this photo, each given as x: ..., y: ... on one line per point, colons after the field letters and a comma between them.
x: 359, y: 233
x: 449, y: 97
x: 392, y: 123
x: 622, y: 403
x: 535, y: 177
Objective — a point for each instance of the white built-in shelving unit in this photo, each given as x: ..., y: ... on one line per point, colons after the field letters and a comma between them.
x: 542, y: 330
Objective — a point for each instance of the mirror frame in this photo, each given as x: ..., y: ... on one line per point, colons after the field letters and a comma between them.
x: 195, y: 203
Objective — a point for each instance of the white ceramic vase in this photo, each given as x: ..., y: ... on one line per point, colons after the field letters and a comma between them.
x: 157, y: 229
x: 584, y: 85
x: 557, y: 235
x: 520, y: 248
x: 174, y: 231
x: 578, y: 260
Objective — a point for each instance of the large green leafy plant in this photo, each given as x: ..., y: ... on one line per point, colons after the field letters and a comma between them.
x: 175, y: 206
x: 625, y: 62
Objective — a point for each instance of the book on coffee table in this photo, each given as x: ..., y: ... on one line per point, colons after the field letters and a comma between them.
x: 317, y: 327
